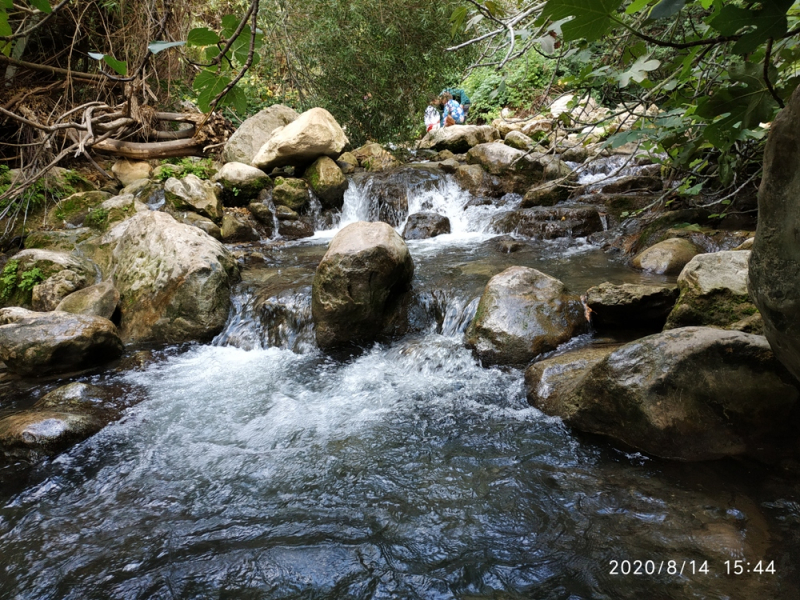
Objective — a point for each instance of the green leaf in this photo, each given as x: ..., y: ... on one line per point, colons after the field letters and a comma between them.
x: 5, y: 28
x: 769, y: 22
x: 229, y: 25
x: 7, y: 4
x: 202, y: 36
x: 203, y: 79
x: 42, y: 5
x: 592, y: 18
x: 212, y: 86
x: 666, y: 8
x: 638, y: 70
x: 120, y: 66
x: 637, y: 5
x: 156, y: 47
x: 457, y: 20
x: 236, y: 98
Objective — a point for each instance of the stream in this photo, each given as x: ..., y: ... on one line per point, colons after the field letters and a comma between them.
x: 258, y: 467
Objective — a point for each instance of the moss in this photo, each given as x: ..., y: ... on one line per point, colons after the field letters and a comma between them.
x: 720, y: 309
x: 97, y: 219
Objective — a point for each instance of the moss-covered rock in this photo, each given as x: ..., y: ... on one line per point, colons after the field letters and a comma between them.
x: 195, y: 194
x: 327, y: 181
x: 290, y: 192
x: 75, y: 208
x: 241, y: 183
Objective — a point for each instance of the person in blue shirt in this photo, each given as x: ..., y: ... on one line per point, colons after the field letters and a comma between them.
x: 459, y: 96
x: 452, y: 113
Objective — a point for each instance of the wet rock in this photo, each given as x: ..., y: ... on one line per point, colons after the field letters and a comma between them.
x: 633, y: 183
x: 518, y: 169
x: 174, y: 279
x: 284, y: 213
x: 471, y: 177
x: 713, y: 291
x: 544, y: 222
x: 55, y: 288
x: 373, y: 157
x: 235, y: 229
x: 289, y: 192
x: 459, y: 138
x: 578, y: 153
x: 128, y: 171
x: 546, y: 194
x: 240, y: 183
x: 523, y: 313
x: 72, y: 210
x: 37, y: 343
x: 631, y: 305
x: 358, y: 284
x: 695, y: 393
x: 449, y: 165
x: 667, y: 257
x: 709, y: 240
x: 262, y: 213
x: 194, y: 194
x: 313, y: 134
x: 74, y: 397
x: 508, y: 245
x: 58, y: 240
x: 119, y: 208
x: 202, y: 223
x: 327, y: 181
x: 42, y: 264
x: 251, y: 135
x: 518, y: 140
x: 100, y: 300
x: 548, y: 382
x: 140, y: 188
x: 425, y: 225
x: 295, y: 229
x: 391, y: 189
x: 35, y: 434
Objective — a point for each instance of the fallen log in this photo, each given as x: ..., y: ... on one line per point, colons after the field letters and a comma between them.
x: 148, y: 150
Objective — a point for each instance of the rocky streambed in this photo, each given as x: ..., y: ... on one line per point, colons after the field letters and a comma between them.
x: 505, y: 426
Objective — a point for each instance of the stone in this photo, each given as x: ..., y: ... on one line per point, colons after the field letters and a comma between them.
x: 72, y: 210
x: 262, y: 213
x: 459, y: 138
x: 359, y: 283
x: 520, y: 168
x: 174, y: 280
x: 194, y: 194
x: 470, y: 177
x: 202, y: 223
x: 290, y: 192
x: 47, y: 295
x: 43, y: 264
x: 35, y: 434
x: 713, y: 291
x: 327, y: 181
x: 425, y: 225
x: 348, y: 158
x: 295, y: 229
x: 694, y: 393
x: 235, y: 229
x: 444, y: 155
x: 73, y: 397
x: 667, y: 257
x: 128, y: 171
x: 578, y: 153
x: 631, y: 183
x: 284, y: 213
x: 391, y: 190
x: 449, y: 165
x: 631, y: 305
x: 546, y: 194
x: 504, y: 127
x: 251, y: 135
x: 100, y: 300
x: 521, y: 314
x: 775, y: 263
x: 240, y: 183
x: 120, y: 208
x: 313, y: 134
x: 60, y: 240
x: 518, y: 140
x: 537, y: 126
x: 140, y: 188
x: 545, y: 222
x: 41, y: 343
x: 373, y: 157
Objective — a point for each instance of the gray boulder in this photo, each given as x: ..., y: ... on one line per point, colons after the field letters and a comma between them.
x: 713, y: 291
x: 290, y: 192
x: 523, y: 313
x: 251, y: 135
x: 327, y: 181
x: 459, y: 138
x: 518, y: 140
x: 240, y: 183
x: 425, y: 225
x: 667, y: 257
x: 313, y: 134
x: 74, y: 397
x: 35, y: 434
x: 358, y: 284
x: 236, y: 229
x: 100, y: 300
x: 36, y: 343
x: 774, y: 264
x: 194, y: 194
x: 631, y: 305
x: 695, y: 393
x: 54, y: 289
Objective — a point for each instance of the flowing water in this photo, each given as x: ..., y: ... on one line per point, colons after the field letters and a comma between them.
x: 258, y: 467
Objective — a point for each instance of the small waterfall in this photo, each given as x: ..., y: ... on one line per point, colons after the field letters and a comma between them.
x: 604, y: 170
x: 446, y: 313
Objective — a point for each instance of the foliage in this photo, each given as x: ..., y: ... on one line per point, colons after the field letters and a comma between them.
x: 12, y: 280
x: 97, y: 218
x: 8, y: 279
x: 28, y: 279
x: 181, y: 167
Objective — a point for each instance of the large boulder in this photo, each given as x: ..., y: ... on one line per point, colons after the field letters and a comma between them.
x: 667, y: 257
x: 713, y: 291
x: 523, y: 313
x: 775, y: 262
x: 240, y: 183
x: 173, y: 279
x: 251, y: 135
x: 100, y: 300
x: 425, y: 225
x: 359, y: 283
x: 195, y: 194
x: 631, y: 305
x: 694, y: 393
x: 35, y: 343
x: 313, y: 134
x: 327, y: 181
x: 374, y: 157
x: 521, y: 169
x: 459, y: 138
x: 290, y: 192
x: 235, y: 228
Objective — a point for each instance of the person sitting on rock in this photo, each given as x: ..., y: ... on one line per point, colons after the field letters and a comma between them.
x: 433, y: 118
x: 452, y: 114
x: 461, y: 97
